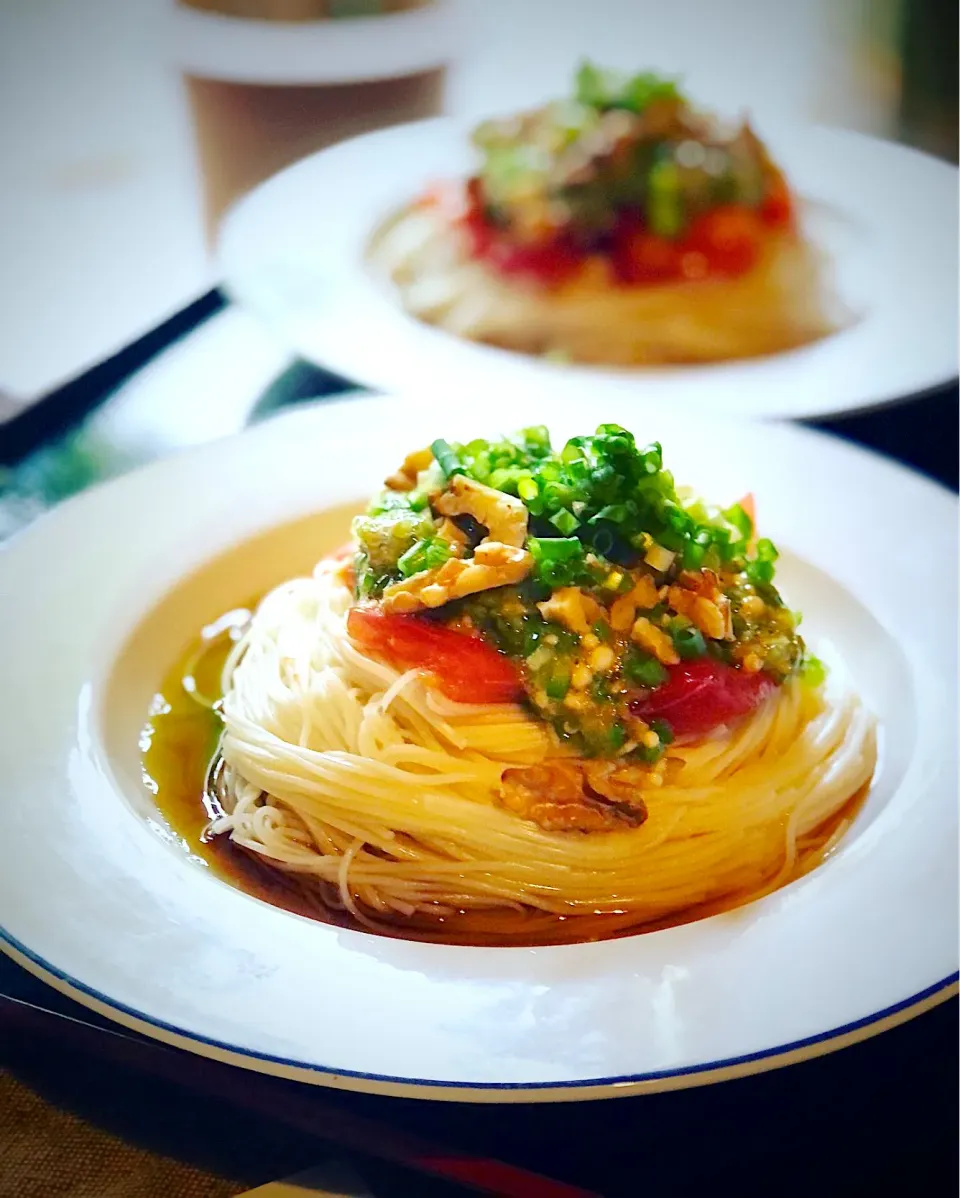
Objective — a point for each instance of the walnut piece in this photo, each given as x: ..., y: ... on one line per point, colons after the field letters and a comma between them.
x: 575, y: 796
x: 503, y: 516
x: 405, y: 479
x: 572, y: 608
x: 492, y: 565
x: 648, y: 636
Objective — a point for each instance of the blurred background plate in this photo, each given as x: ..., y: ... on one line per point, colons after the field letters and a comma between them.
x: 293, y: 251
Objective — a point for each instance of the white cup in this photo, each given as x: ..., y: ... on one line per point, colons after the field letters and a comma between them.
x: 266, y: 90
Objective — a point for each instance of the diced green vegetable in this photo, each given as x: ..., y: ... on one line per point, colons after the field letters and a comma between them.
x: 663, y: 731
x: 558, y: 683
x: 643, y: 669
x: 616, y: 737
x: 687, y: 640
x: 603, y: 514
x: 761, y: 568
x: 384, y: 538
x: 813, y: 673
x: 665, y: 214
x: 428, y: 554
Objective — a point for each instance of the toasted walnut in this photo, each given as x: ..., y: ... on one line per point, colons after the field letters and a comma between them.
x: 643, y: 595
x: 572, y: 608
x: 405, y: 479
x: 492, y: 565
x: 503, y: 516
x: 655, y: 641
x: 707, y: 607
x: 455, y: 537
x: 562, y: 796
x: 622, y: 614
x: 618, y: 782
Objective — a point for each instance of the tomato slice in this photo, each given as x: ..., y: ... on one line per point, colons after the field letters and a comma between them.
x: 464, y: 667
x: 777, y: 206
x: 728, y: 237
x: 642, y: 257
x: 701, y: 695
x: 550, y: 262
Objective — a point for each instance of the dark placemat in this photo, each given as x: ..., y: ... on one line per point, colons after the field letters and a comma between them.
x: 860, y: 1121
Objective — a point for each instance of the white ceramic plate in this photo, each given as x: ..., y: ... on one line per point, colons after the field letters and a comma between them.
x: 97, y: 599
x: 293, y: 251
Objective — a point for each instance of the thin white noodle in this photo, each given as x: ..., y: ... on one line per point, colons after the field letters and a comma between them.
x: 787, y: 299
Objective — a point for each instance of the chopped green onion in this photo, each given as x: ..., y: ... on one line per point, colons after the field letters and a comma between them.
x: 527, y: 488
x: 536, y: 437
x: 740, y: 520
x: 649, y: 755
x: 693, y: 555
x: 447, y: 459
x: 424, y: 555
x: 554, y: 549
x: 565, y: 521
x: 602, y: 89
x: 558, y: 683
x: 687, y: 640
x: 616, y: 513
x: 761, y: 568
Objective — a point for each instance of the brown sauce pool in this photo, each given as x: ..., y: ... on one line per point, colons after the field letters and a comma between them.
x: 178, y: 743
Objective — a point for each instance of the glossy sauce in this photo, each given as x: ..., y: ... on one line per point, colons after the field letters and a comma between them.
x: 179, y: 742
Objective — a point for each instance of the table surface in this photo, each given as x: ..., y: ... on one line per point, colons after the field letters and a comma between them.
x: 885, y: 1109
x: 101, y: 222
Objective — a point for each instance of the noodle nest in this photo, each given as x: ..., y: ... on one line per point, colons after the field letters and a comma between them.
x: 783, y: 302
x: 345, y: 772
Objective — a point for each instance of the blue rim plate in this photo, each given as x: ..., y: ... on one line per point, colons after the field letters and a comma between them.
x: 101, y: 901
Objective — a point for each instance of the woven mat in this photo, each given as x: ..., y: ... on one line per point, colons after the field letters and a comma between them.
x: 48, y: 1153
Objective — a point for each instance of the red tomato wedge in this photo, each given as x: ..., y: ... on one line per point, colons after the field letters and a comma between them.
x: 465, y: 668
x: 703, y: 694
x: 641, y: 257
x: 728, y: 237
x: 777, y: 206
